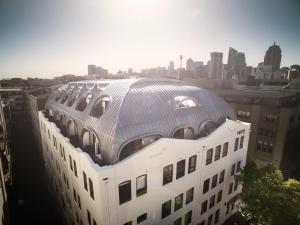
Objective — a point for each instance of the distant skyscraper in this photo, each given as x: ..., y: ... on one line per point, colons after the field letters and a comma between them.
x: 171, y: 67
x: 236, y: 63
x: 240, y: 64
x: 273, y: 57
x: 216, y: 65
x: 91, y: 69
x: 231, y: 61
x: 189, y: 64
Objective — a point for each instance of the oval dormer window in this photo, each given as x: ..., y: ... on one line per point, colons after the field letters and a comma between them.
x: 100, y: 107
x: 185, y: 102
x: 83, y: 102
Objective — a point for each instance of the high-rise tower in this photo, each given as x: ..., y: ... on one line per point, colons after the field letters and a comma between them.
x: 273, y: 57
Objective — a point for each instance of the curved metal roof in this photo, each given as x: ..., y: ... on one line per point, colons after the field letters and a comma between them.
x: 139, y: 107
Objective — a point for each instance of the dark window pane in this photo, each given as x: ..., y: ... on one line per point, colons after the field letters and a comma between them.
x: 166, y: 209
x: 84, y: 180
x: 236, y: 185
x: 209, y: 155
x: 218, y: 152
x: 89, y: 217
x: 128, y: 223
x: 141, y: 218
x: 180, y: 169
x: 222, y: 175
x: 206, y: 186
x: 230, y: 188
x: 203, y: 207
x: 214, y: 181
x: 212, y: 201
x: 189, y: 196
x: 178, y: 221
x: 91, y: 188
x: 188, y: 218
x: 236, y: 144
x: 232, y: 169
x: 125, y: 192
x: 241, y: 141
x: 225, y: 149
x: 178, y: 202
x: 238, y: 168
x: 217, y: 215
x: 167, y: 174
x: 219, y: 196
x: 192, y: 163
x: 141, y: 185
x: 209, y: 220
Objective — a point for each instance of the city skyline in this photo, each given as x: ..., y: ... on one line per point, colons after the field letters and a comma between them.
x: 51, y: 38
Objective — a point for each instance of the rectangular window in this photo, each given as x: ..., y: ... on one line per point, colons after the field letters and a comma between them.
x: 79, y: 202
x: 206, y: 186
x: 202, y: 222
x: 241, y: 141
x: 217, y: 215
x: 214, y: 181
x: 166, y: 209
x: 141, y: 218
x: 91, y: 188
x: 71, y: 165
x: 94, y: 222
x: 178, y: 221
x: 189, y: 196
x: 209, y: 156
x: 178, y: 202
x: 74, y: 195
x: 218, y: 152
x: 222, y: 175
x: 230, y: 188
x: 203, y: 207
x: 89, y: 217
x: 238, y: 167
x: 128, y: 223
x: 180, y: 169
x: 84, y: 180
x: 124, y: 192
x: 75, y: 168
x: 236, y: 144
x: 192, y: 163
x: 188, y: 218
x: 212, y: 201
x: 209, y: 220
x: 219, y: 196
x: 168, y: 174
x: 225, y: 149
x: 141, y: 185
x: 236, y: 185
x: 232, y: 169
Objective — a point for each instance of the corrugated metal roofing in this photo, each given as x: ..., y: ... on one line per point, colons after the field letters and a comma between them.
x: 139, y: 108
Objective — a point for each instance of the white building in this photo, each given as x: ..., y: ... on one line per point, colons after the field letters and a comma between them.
x: 148, y: 152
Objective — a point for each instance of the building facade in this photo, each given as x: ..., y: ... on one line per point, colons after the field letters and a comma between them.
x: 275, y: 122
x: 273, y: 57
x: 170, y: 161
x: 216, y: 65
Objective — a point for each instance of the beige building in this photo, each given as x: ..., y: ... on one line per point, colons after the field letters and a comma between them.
x: 275, y: 122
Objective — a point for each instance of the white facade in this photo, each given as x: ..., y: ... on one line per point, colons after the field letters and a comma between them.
x: 97, y: 200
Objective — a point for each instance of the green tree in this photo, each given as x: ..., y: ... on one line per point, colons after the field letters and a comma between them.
x: 267, y: 199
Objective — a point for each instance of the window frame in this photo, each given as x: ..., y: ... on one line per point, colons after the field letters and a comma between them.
x: 141, y: 191
x: 128, y: 198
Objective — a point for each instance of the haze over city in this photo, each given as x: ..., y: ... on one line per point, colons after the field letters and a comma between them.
x: 51, y: 38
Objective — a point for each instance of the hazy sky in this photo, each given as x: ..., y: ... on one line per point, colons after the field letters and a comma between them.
x: 46, y: 38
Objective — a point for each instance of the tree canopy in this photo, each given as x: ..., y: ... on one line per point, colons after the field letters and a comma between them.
x: 267, y: 199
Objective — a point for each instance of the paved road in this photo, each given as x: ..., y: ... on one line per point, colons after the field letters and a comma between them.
x: 29, y: 182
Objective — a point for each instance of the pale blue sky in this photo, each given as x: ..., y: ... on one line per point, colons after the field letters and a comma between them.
x: 46, y: 38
